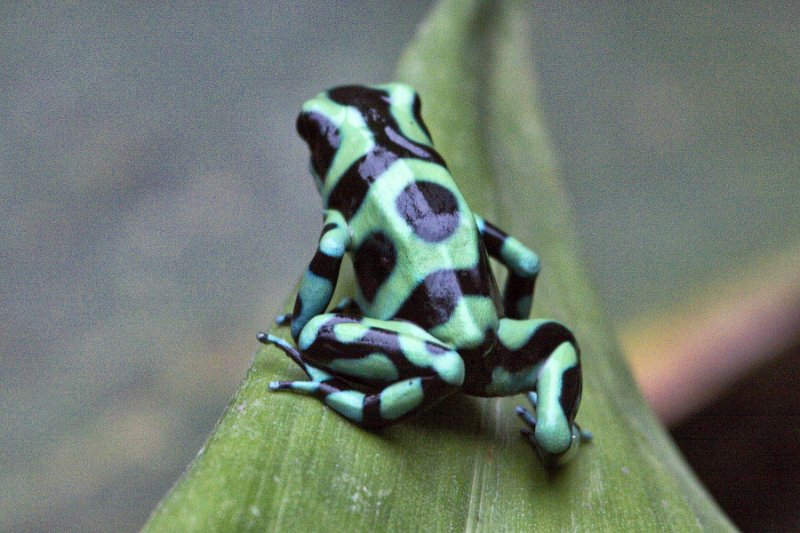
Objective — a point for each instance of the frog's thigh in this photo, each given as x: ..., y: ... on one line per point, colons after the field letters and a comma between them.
x: 377, y: 352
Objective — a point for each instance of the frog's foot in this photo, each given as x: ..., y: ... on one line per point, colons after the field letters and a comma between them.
x: 288, y: 349
x: 539, y: 440
x: 371, y: 409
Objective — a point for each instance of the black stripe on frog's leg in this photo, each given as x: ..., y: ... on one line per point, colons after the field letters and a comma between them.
x: 319, y: 280
x: 493, y: 237
x: 571, y: 390
x: 403, y: 399
x: 522, y: 263
x: 518, y: 296
x: 325, y: 266
x: 545, y: 338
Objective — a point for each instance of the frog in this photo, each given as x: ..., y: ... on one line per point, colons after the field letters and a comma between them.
x: 427, y: 319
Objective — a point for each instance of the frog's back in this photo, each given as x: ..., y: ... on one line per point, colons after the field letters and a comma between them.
x: 415, y: 245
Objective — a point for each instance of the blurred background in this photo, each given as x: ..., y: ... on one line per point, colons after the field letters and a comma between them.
x: 156, y: 211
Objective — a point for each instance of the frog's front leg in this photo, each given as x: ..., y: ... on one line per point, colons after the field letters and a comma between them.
x: 372, y: 372
x: 541, y: 356
x: 522, y: 264
x: 320, y: 278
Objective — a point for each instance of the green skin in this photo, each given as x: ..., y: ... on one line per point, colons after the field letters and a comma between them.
x: 427, y: 319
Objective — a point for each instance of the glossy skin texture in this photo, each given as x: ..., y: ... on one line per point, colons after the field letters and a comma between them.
x: 427, y: 319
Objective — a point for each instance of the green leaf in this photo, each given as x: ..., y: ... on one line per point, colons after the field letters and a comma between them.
x: 281, y: 462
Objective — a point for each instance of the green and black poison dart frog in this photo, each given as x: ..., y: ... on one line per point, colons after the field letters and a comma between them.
x: 426, y: 320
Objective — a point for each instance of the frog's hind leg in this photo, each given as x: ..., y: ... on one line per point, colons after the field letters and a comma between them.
x: 542, y: 357
x: 373, y: 372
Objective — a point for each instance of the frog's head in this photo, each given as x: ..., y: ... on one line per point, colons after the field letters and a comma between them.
x: 394, y: 106
x: 345, y: 123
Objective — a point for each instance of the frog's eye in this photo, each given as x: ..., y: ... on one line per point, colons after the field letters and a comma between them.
x: 323, y: 140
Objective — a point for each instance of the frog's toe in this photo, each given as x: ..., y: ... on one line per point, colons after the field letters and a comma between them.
x: 288, y: 349
x: 526, y: 417
x: 533, y: 398
x: 303, y: 387
x: 280, y: 385
x: 586, y: 436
